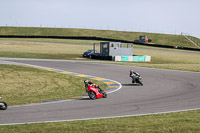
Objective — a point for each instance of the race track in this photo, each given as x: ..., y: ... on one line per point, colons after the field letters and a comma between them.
x: 163, y: 91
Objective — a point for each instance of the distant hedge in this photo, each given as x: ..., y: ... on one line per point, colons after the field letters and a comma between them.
x: 98, y: 39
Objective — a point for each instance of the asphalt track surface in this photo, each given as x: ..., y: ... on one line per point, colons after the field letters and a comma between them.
x: 163, y: 91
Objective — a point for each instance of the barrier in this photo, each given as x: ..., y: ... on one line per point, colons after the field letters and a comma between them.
x: 139, y: 58
x: 144, y: 58
x: 124, y: 58
x: 148, y: 58
x: 117, y: 58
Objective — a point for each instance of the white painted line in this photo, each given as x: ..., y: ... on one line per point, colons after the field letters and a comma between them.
x: 54, y: 70
x: 96, y: 118
x: 42, y: 103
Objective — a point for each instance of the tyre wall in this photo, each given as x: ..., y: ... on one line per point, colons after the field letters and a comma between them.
x: 144, y: 58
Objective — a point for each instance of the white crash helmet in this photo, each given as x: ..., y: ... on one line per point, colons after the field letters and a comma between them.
x: 86, y: 81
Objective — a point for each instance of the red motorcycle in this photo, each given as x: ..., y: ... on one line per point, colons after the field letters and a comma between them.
x: 94, y: 91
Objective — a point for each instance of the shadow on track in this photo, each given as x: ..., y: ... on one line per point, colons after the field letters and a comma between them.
x: 131, y: 85
x: 84, y: 99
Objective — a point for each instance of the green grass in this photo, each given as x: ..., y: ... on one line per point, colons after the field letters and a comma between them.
x: 164, y: 39
x: 46, y: 40
x: 24, y: 85
x: 174, y: 60
x: 42, y: 48
x: 196, y: 40
x: 182, y: 122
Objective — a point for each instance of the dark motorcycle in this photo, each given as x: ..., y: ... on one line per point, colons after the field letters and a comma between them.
x: 3, y: 105
x: 138, y: 79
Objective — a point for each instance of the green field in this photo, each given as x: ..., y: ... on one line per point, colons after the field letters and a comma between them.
x: 164, y: 39
x: 25, y: 85
x: 173, y: 59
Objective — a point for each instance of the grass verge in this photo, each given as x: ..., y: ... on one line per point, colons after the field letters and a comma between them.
x: 24, y: 85
x: 174, y: 60
x: 44, y: 48
x: 70, y: 50
x: 164, y: 39
x: 181, y: 122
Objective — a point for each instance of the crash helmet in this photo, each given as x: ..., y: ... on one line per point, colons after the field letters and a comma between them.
x: 86, y: 81
x: 131, y: 70
x: 90, y: 82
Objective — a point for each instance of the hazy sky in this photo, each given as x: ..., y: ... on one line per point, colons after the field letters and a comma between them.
x: 160, y: 16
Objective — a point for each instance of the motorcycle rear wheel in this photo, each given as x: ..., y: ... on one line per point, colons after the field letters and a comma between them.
x: 3, y: 106
x: 104, y: 95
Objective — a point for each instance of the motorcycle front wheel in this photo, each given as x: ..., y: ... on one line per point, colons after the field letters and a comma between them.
x: 140, y: 83
x: 3, y: 106
x: 92, y: 95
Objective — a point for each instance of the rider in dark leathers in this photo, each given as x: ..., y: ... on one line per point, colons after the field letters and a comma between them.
x: 133, y: 75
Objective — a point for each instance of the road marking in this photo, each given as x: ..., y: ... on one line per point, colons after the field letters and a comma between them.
x: 97, y: 78
x: 109, y: 82
x: 76, y: 97
x: 112, y: 82
x: 65, y: 72
x: 49, y: 69
x: 81, y: 75
x: 113, y: 86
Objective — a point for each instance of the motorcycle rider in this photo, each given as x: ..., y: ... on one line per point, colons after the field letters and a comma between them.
x: 133, y: 75
x: 87, y: 83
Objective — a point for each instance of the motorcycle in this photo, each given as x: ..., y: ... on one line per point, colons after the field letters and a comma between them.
x: 94, y: 92
x: 3, y: 105
x: 138, y: 79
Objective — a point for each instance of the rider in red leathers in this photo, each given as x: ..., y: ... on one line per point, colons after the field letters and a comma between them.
x: 87, y: 83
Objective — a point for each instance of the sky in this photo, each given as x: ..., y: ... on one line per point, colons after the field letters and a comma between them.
x: 154, y: 16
